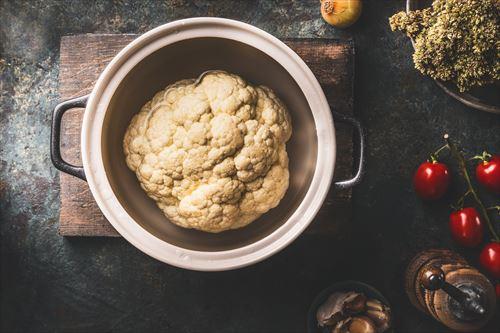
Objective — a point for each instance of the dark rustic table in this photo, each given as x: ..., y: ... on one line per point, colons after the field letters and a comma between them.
x: 49, y: 283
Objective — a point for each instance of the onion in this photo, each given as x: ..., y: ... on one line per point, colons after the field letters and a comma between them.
x: 341, y: 13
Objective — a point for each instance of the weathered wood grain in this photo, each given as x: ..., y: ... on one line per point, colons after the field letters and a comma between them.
x: 83, y: 58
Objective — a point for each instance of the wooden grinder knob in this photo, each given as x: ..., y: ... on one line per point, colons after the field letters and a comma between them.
x: 432, y: 278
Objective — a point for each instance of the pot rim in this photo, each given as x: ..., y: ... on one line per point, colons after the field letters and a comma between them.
x: 101, y: 189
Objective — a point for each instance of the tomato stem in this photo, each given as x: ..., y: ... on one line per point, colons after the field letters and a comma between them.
x: 485, y: 157
x: 463, y: 168
x: 497, y: 208
x: 434, y: 156
x: 460, y: 202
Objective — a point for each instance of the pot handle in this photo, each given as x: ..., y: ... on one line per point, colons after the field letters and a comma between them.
x: 55, y: 136
x: 359, y: 145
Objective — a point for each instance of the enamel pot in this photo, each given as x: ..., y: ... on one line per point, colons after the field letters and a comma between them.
x: 184, y: 49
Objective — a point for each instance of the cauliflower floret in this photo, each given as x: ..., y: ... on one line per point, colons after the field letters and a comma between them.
x: 212, y: 154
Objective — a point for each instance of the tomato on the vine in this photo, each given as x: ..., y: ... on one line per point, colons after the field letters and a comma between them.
x: 490, y: 258
x: 466, y: 227
x: 488, y: 172
x: 431, y: 180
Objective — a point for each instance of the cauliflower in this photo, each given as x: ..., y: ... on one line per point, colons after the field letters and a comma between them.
x: 212, y: 152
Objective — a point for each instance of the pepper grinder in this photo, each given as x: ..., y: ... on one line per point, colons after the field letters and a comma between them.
x: 440, y: 283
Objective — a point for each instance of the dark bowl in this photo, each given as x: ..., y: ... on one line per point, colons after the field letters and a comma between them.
x: 480, y: 98
x: 357, y: 286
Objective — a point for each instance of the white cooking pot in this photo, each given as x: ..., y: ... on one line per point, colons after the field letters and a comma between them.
x: 184, y: 49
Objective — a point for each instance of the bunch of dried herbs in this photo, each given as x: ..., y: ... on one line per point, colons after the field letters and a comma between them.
x: 455, y: 40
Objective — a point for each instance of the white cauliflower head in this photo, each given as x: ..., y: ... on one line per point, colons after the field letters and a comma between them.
x: 211, y: 153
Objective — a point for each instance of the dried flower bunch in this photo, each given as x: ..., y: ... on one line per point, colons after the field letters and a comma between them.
x: 455, y: 40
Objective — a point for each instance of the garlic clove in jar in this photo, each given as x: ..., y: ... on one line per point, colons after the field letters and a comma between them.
x: 379, y: 313
x: 354, y: 303
x: 341, y: 13
x: 338, y: 306
x: 330, y: 312
x: 361, y: 324
x: 342, y: 326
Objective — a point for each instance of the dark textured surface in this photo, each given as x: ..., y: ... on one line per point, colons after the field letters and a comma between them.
x: 54, y: 284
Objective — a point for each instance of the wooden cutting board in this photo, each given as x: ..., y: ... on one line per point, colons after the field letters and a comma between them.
x: 83, y: 58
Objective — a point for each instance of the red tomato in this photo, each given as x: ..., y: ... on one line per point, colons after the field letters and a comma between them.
x: 431, y: 180
x: 488, y: 174
x: 466, y: 227
x: 490, y: 258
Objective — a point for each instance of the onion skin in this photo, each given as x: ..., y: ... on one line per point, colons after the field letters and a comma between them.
x: 341, y: 13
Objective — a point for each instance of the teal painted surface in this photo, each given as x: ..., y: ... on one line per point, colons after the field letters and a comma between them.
x: 55, y: 284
